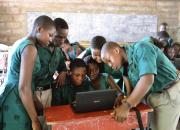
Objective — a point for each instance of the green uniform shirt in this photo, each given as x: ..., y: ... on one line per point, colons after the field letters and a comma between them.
x: 50, y: 62
x: 66, y: 94
x: 146, y: 58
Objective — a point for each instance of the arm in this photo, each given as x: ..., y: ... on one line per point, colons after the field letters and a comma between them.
x: 28, y: 57
x: 127, y: 85
x: 144, y: 84
x: 142, y: 87
x: 112, y: 84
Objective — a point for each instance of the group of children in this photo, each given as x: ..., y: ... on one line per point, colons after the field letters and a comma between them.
x: 45, y: 70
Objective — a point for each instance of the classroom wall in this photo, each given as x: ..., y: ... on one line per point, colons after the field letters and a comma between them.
x: 13, y: 12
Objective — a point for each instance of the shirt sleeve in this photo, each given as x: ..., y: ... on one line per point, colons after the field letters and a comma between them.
x: 145, y: 55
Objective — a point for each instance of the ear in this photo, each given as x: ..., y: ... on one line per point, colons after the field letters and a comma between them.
x: 116, y: 50
x: 38, y: 29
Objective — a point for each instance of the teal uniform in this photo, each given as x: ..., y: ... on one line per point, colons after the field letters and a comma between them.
x: 13, y: 115
x: 50, y: 62
x: 146, y: 58
x: 73, y: 54
x: 103, y: 82
x: 66, y: 94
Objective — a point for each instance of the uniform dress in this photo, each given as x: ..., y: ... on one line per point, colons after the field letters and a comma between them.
x: 13, y: 115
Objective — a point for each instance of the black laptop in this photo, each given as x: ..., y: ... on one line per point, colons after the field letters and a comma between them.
x: 94, y: 100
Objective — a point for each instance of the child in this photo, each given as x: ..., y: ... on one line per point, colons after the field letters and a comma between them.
x: 149, y: 71
x: 76, y: 81
x: 99, y: 81
x: 17, y: 107
x: 71, y: 51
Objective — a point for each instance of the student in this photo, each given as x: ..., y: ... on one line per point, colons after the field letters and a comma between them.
x: 75, y: 82
x: 72, y: 51
x: 17, y: 108
x: 177, y: 50
x: 99, y: 81
x: 52, y: 60
x: 163, y: 27
x: 151, y: 74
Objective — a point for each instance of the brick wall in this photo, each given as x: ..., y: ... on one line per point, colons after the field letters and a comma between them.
x: 13, y: 12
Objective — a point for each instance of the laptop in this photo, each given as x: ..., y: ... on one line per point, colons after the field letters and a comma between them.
x: 94, y: 100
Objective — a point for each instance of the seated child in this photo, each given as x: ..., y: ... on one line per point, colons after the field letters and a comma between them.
x: 99, y: 81
x: 76, y: 81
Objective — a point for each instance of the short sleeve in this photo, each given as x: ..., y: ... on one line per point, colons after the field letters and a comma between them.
x: 146, y: 56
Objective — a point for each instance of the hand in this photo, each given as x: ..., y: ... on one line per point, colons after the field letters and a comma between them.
x: 60, y: 81
x: 36, y: 125
x: 121, y: 112
x: 118, y: 100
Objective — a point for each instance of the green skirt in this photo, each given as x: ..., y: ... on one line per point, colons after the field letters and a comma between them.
x: 13, y: 115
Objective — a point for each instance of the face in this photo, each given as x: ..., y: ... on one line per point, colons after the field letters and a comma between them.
x: 162, y: 28
x: 171, y: 53
x: 78, y: 75
x: 96, y: 55
x: 93, y: 71
x: 60, y: 36
x: 45, y: 36
x: 113, y: 58
x: 176, y: 49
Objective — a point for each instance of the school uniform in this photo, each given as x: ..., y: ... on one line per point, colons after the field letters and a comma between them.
x: 50, y: 62
x: 73, y: 54
x: 13, y: 115
x: 66, y: 94
x: 164, y: 95
x: 103, y: 81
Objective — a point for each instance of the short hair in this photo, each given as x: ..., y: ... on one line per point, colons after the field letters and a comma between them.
x: 164, y: 24
x: 89, y: 60
x: 77, y: 63
x: 97, y: 42
x: 108, y: 46
x: 60, y: 24
x: 43, y: 21
x: 158, y: 43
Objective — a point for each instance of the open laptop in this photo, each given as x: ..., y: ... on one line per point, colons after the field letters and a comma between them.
x: 94, y: 100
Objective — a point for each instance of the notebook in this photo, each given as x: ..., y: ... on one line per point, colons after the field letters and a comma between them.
x: 94, y: 100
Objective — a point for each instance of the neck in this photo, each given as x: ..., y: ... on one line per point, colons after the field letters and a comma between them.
x: 125, y: 58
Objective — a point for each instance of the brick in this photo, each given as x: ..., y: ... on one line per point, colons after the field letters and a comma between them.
x: 13, y: 25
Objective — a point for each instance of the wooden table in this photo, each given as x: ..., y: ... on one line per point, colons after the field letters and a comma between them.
x: 63, y: 118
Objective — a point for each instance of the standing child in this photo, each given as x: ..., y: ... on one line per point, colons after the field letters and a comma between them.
x: 75, y: 82
x: 150, y: 72
x: 16, y: 102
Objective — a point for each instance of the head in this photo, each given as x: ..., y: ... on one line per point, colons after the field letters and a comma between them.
x: 170, y: 52
x: 158, y: 43
x: 92, y: 68
x: 96, y: 45
x: 43, y: 30
x: 113, y: 55
x: 163, y: 27
x: 77, y: 71
x: 61, y: 31
x: 65, y: 46
x: 164, y: 37
x: 177, y: 48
